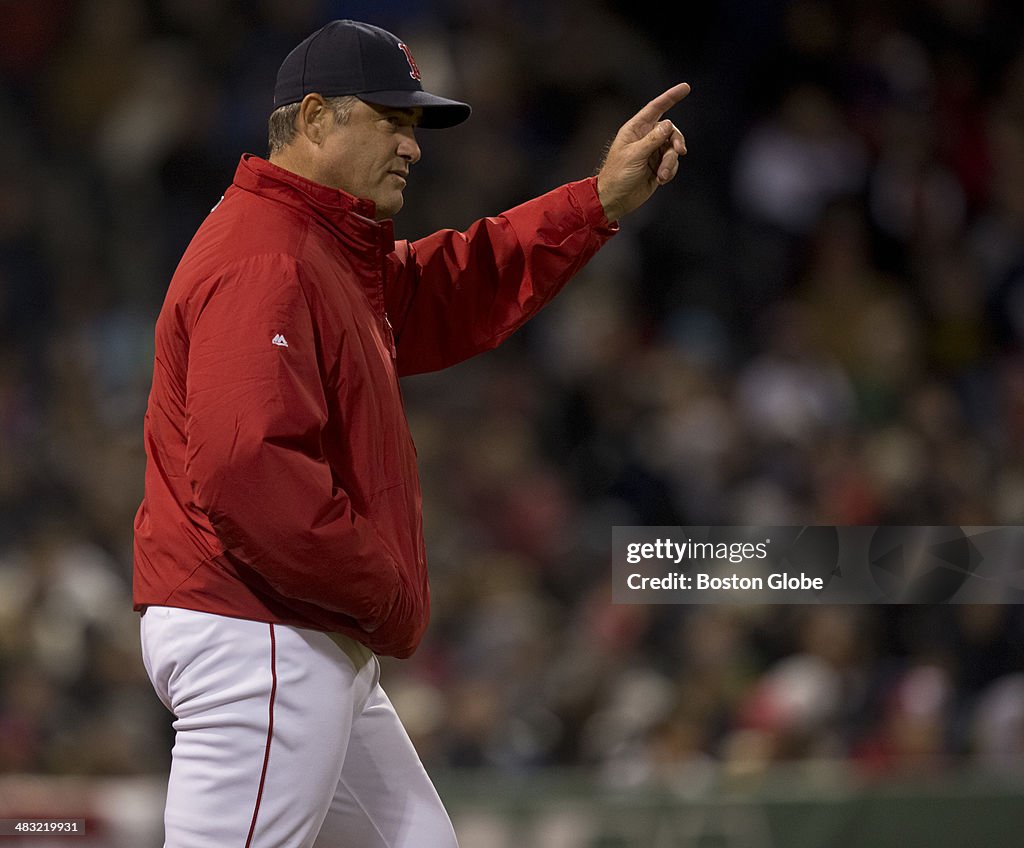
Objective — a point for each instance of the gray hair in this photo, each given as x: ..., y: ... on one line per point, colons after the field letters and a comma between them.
x: 281, y: 125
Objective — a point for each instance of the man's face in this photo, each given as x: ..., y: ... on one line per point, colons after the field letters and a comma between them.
x: 369, y: 155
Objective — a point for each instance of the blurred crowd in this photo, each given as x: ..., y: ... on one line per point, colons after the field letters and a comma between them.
x: 819, y: 322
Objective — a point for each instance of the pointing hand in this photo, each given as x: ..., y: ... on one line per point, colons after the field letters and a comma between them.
x: 643, y: 155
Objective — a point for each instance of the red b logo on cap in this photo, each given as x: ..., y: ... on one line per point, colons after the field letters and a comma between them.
x: 414, y: 71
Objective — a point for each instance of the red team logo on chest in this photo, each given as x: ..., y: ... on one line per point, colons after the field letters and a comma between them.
x: 414, y: 71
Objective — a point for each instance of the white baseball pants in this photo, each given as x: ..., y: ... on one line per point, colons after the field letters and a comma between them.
x: 284, y: 738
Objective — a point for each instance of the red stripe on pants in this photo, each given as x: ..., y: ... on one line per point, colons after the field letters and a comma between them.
x: 270, y: 734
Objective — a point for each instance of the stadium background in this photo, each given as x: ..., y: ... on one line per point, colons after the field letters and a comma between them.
x: 819, y: 322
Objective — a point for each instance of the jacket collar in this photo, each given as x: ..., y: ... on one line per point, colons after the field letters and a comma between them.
x: 342, y: 213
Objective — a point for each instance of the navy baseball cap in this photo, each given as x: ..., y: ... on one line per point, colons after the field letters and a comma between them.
x: 350, y: 57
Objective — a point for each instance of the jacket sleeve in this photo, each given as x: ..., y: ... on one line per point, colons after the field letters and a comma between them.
x: 455, y: 294
x: 255, y: 413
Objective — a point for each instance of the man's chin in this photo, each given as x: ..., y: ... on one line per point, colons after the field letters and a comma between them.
x: 389, y: 208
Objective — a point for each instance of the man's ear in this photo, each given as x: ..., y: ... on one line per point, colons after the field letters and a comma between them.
x: 313, y: 118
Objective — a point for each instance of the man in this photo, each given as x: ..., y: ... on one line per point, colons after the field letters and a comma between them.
x: 279, y: 546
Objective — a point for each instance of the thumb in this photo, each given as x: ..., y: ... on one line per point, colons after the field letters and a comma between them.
x: 658, y: 135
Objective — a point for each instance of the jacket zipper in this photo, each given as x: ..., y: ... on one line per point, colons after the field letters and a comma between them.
x: 391, y: 336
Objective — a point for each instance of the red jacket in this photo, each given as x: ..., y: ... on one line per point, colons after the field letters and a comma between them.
x: 281, y: 480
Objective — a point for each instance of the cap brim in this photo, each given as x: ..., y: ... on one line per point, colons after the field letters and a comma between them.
x: 438, y: 112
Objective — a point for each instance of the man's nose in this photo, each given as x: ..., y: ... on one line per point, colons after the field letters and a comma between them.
x: 408, y: 149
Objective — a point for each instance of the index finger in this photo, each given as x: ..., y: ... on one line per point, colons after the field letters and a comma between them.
x: 663, y: 102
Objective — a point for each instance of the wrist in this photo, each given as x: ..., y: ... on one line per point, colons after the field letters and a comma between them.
x: 612, y: 208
